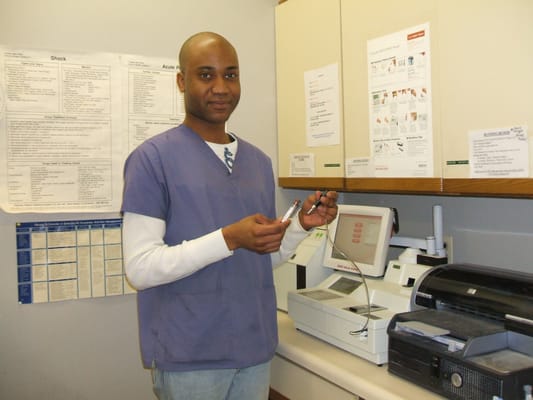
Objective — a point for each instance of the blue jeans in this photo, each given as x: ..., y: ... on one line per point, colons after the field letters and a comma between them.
x: 250, y: 383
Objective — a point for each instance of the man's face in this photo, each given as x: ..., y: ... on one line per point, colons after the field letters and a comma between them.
x: 210, y: 82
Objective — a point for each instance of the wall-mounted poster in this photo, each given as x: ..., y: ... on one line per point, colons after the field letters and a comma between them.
x: 399, y: 83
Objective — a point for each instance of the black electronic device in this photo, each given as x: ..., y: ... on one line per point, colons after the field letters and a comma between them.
x: 470, y: 334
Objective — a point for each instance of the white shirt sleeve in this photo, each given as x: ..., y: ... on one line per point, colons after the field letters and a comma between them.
x: 150, y: 262
x: 293, y: 236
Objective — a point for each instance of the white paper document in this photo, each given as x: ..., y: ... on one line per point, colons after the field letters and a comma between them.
x: 68, y: 120
x: 359, y: 167
x: 322, y: 106
x: 151, y: 102
x: 400, y: 113
x: 302, y: 165
x: 499, y: 153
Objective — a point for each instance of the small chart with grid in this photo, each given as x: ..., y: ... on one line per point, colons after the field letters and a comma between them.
x: 69, y: 260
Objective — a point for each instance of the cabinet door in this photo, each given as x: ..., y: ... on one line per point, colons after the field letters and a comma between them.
x: 365, y: 21
x: 307, y: 39
x: 481, y: 79
x: 487, y: 83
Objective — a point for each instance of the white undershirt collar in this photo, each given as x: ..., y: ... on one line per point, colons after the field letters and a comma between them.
x: 226, y: 151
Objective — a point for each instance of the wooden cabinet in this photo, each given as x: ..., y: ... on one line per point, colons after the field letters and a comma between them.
x: 486, y: 83
x: 361, y: 22
x: 481, y: 79
x: 308, y: 37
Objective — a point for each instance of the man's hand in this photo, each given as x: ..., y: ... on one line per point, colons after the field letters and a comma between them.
x: 323, y: 214
x: 256, y: 233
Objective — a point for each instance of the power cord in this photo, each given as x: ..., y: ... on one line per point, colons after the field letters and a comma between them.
x: 368, y: 311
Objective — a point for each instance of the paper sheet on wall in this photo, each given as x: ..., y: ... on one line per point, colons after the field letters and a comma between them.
x: 359, y: 167
x: 151, y: 99
x: 322, y: 106
x: 61, y: 130
x: 499, y: 153
x: 67, y: 121
x: 67, y: 260
x: 302, y: 165
x: 399, y: 81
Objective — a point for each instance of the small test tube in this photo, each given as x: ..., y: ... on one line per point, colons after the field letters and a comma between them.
x: 292, y: 210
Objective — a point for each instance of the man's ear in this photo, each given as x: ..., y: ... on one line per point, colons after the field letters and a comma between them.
x: 180, y: 81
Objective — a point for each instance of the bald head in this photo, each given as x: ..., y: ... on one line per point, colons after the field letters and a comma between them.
x: 199, y: 41
x: 209, y: 81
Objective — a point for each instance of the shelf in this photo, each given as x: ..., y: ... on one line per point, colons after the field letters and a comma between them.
x: 395, y: 185
x: 312, y: 183
x: 486, y: 187
x: 489, y: 187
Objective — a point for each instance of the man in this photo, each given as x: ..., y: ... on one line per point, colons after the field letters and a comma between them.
x: 200, y: 239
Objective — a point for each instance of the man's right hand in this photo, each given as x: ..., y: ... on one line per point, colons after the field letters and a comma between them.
x: 257, y: 233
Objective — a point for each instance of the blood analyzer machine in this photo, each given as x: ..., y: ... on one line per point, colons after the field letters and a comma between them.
x: 353, y: 306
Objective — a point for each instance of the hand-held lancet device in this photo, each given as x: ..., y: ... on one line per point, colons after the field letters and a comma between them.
x: 291, y: 212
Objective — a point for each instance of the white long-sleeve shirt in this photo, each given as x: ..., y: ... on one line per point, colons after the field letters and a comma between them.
x: 150, y: 262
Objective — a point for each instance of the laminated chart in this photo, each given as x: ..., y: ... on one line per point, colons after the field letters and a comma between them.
x: 68, y: 260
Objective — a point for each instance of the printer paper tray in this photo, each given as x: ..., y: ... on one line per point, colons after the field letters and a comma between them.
x: 460, y: 326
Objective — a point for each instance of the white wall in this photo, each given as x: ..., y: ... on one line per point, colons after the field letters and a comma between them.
x: 485, y: 231
x: 88, y: 349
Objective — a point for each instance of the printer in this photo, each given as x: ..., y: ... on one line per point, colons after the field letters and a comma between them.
x: 469, y: 334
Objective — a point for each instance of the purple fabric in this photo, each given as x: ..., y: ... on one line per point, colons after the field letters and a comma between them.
x: 223, y: 316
